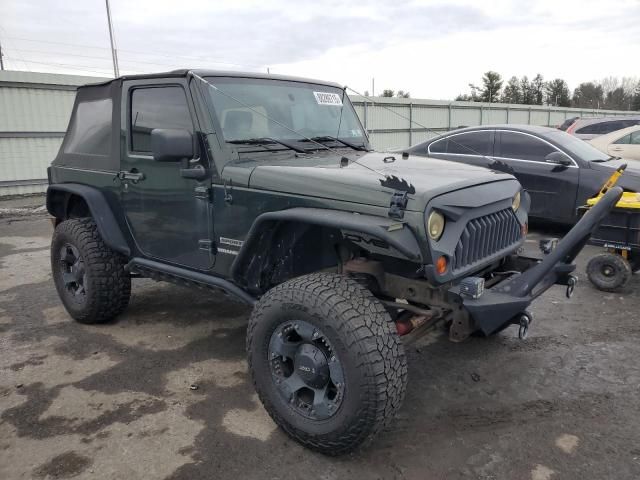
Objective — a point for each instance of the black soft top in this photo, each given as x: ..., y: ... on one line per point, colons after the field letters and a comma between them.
x: 211, y: 73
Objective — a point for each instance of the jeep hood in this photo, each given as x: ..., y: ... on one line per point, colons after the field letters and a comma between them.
x: 322, y: 177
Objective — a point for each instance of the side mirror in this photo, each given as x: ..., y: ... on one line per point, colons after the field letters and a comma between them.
x: 171, y: 145
x: 558, y: 158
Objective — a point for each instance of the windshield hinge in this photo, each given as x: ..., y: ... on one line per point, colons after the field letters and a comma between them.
x: 398, y: 204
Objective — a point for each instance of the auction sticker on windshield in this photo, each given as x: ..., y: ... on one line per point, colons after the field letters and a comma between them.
x: 325, y: 98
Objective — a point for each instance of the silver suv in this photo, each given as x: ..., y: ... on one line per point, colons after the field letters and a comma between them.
x: 588, y: 128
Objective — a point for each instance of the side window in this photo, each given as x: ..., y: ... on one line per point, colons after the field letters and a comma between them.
x: 438, y: 147
x: 594, y: 128
x: 90, y: 131
x: 608, y: 127
x: 624, y: 140
x: 156, y: 107
x: 524, y: 147
x: 472, y: 143
x: 635, y: 138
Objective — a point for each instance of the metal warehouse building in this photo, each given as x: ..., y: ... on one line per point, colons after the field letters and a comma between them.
x: 35, y: 110
x: 34, y: 113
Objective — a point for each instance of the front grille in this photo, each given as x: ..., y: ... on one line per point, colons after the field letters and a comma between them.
x: 485, y: 236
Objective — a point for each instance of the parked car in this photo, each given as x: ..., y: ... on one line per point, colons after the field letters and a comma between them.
x: 265, y: 187
x: 567, y: 123
x: 623, y: 143
x: 558, y: 170
x: 588, y: 128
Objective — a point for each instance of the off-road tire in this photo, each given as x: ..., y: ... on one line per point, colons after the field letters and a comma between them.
x: 609, y: 272
x: 366, y: 343
x: 107, y: 285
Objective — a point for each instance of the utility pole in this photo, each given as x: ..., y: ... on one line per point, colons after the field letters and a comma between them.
x: 2, y: 63
x: 373, y: 87
x: 114, y: 52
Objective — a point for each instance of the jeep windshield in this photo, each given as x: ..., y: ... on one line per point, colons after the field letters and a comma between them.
x: 296, y: 115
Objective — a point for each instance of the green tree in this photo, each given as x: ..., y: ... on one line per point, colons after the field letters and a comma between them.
x: 557, y: 92
x: 491, y: 87
x: 388, y: 93
x: 465, y: 97
x: 512, y: 92
x: 526, y: 91
x: 635, y: 103
x: 403, y: 94
x: 537, y: 89
x: 617, y: 99
x: 588, y: 95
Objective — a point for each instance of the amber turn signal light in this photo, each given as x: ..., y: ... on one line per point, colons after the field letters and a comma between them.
x: 441, y: 265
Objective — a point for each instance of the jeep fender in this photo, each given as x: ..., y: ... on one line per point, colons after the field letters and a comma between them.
x: 368, y: 231
x: 58, y: 196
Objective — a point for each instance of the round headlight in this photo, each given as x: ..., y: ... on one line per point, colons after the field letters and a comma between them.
x: 516, y: 202
x: 435, y: 225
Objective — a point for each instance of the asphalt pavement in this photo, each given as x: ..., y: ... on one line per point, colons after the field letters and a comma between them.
x: 163, y: 392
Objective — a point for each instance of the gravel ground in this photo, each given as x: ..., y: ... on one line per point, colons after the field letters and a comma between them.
x: 163, y: 392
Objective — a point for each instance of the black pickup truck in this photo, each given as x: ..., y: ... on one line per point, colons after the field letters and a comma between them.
x: 265, y: 188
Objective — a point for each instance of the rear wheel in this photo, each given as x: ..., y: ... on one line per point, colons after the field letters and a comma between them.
x: 326, y: 361
x: 609, y: 272
x: 89, y: 276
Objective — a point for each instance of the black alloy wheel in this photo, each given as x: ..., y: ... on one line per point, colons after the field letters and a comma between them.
x: 73, y: 272
x: 306, y: 370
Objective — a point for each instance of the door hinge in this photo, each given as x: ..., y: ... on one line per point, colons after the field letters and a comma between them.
x: 207, y: 245
x: 203, y: 192
x: 398, y: 204
x: 228, y: 197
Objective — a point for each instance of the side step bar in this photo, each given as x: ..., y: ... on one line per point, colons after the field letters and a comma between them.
x: 183, y: 276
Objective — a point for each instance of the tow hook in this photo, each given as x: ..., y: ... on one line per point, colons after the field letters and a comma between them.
x: 525, y: 321
x: 571, y: 285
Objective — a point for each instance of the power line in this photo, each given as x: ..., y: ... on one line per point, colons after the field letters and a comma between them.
x: 138, y: 52
x: 75, y: 66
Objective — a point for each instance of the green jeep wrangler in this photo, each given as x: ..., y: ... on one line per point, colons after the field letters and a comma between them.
x: 265, y: 188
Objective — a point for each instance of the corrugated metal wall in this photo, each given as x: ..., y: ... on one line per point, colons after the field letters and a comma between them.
x: 35, y: 109
x: 34, y: 113
x: 399, y: 122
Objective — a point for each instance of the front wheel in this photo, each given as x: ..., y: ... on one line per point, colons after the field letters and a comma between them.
x: 326, y: 361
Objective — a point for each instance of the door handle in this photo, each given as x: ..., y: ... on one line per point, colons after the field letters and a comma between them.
x: 134, y: 175
x: 197, y: 173
x: 617, y: 149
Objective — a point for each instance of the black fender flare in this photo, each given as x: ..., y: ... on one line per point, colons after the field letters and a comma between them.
x: 101, y: 212
x: 395, y: 233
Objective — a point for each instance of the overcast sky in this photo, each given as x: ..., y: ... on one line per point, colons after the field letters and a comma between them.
x: 431, y: 48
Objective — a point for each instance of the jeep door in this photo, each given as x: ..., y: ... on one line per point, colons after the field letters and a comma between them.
x: 168, y: 215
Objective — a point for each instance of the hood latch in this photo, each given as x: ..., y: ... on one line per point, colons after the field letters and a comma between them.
x: 398, y: 204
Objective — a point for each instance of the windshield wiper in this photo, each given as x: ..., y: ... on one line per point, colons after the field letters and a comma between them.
x: 328, y: 138
x: 266, y: 140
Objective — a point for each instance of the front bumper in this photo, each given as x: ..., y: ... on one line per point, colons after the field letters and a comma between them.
x: 506, y: 301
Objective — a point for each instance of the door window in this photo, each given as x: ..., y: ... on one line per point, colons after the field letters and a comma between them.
x: 624, y: 140
x: 438, y: 147
x: 156, y: 107
x: 635, y: 138
x: 524, y: 147
x: 471, y: 143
